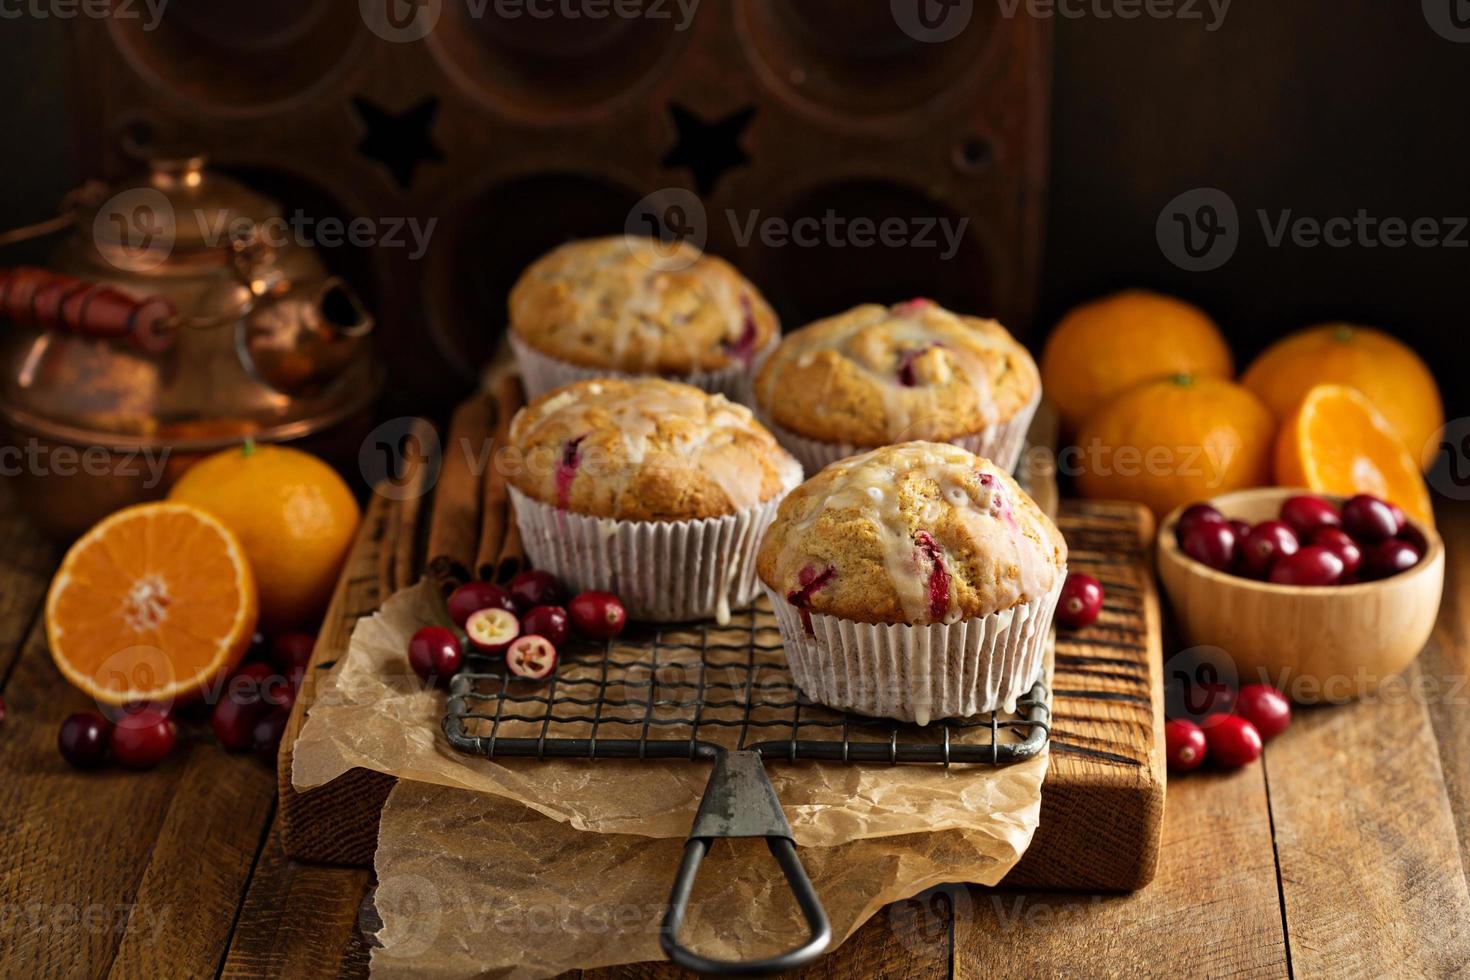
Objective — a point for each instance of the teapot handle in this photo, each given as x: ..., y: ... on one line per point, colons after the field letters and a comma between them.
x: 66, y: 304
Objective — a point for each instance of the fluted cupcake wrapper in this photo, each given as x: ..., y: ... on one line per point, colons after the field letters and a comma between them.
x: 923, y: 672
x: 663, y: 571
x: 1001, y: 443
x: 542, y: 373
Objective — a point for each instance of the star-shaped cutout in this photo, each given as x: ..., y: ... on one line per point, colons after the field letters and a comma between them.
x: 708, y: 149
x: 399, y: 141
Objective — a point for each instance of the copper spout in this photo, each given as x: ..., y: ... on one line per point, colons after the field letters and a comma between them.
x: 306, y: 336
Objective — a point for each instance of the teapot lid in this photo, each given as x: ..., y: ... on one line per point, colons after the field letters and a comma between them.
x: 177, y: 206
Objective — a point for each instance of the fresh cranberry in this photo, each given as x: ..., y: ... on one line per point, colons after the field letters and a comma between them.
x: 143, y: 740
x: 491, y: 630
x: 1241, y: 528
x: 83, y: 739
x: 1341, y: 544
x: 434, y: 653
x: 290, y: 651
x: 1081, y: 601
x: 469, y: 599
x: 1184, y: 745
x: 1313, y: 565
x: 547, y: 621
x: 1415, y: 537
x: 1368, y: 519
x: 1388, y: 558
x: 532, y: 657
x: 265, y: 737
x: 1265, y: 707
x: 1211, y: 543
x: 534, y: 588
x: 810, y: 582
x: 1233, y: 742
x: 241, y: 706
x: 1399, y: 517
x: 1268, y: 542
x: 1197, y: 514
x: 1307, y: 514
x: 599, y: 615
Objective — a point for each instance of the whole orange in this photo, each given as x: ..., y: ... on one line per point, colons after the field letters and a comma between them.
x: 295, y: 519
x: 1383, y: 368
x: 1104, y: 347
x: 1174, y: 441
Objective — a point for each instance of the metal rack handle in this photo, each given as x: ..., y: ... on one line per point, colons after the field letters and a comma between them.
x: 740, y: 802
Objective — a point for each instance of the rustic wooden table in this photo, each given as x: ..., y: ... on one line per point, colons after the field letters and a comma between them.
x: 1342, y: 852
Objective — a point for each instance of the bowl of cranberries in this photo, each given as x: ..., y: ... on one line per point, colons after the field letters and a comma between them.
x: 1322, y: 596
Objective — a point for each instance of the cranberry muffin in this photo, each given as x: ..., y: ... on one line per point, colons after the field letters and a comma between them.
x: 651, y: 489
x: 915, y: 581
x: 628, y: 306
x: 876, y: 375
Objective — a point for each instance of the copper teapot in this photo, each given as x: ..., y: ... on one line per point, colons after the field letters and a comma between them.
x: 178, y: 317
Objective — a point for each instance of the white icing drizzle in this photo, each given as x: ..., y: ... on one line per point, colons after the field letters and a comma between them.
x: 991, y: 517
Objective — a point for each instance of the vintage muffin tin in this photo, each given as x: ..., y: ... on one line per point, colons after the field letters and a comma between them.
x: 516, y: 133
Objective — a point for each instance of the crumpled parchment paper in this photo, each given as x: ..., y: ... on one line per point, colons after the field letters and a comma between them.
x: 468, y: 844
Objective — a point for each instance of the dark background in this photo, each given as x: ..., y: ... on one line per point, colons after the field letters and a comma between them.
x: 1323, y: 107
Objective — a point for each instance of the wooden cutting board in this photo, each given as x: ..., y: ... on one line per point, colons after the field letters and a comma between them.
x: 1102, y: 805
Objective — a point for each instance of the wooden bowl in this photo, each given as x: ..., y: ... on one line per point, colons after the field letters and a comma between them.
x: 1316, y: 644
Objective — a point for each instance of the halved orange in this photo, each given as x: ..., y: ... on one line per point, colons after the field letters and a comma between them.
x: 153, y: 604
x: 1337, y: 442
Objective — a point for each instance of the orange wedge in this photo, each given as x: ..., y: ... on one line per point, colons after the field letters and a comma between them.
x: 1337, y: 442
x: 153, y: 604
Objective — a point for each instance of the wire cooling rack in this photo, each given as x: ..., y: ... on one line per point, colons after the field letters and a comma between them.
x: 689, y: 691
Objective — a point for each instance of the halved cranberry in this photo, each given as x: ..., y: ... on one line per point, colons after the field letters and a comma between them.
x: 1340, y: 543
x: 566, y: 470
x: 1211, y: 543
x: 491, y: 630
x: 143, y: 740
x: 599, y: 615
x: 83, y: 739
x: 1081, y: 601
x: 1265, y: 707
x: 938, y: 576
x: 1196, y: 514
x: 1388, y: 558
x: 434, y: 653
x: 532, y: 657
x: 547, y: 621
x: 1233, y: 742
x: 1184, y: 745
x: 534, y: 588
x: 1307, y: 514
x: 1368, y: 519
x: 1266, y: 543
x: 469, y: 599
x: 1313, y: 565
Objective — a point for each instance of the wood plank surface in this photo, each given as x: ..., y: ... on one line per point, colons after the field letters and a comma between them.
x: 300, y: 920
x: 1371, y: 871
x: 1445, y: 667
x: 1211, y: 911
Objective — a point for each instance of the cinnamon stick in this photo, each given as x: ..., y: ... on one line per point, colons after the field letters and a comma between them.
x: 509, y: 398
x: 406, y: 528
x: 454, y: 527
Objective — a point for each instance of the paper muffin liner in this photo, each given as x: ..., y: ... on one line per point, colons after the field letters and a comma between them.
x: 923, y: 672
x: 663, y: 571
x: 542, y: 373
x: 1001, y: 443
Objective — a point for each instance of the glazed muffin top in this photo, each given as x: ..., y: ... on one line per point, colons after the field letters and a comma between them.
x: 877, y: 375
x: 638, y: 306
x: 919, y: 532
x: 645, y: 449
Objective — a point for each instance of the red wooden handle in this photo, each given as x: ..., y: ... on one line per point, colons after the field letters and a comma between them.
x: 70, y: 305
